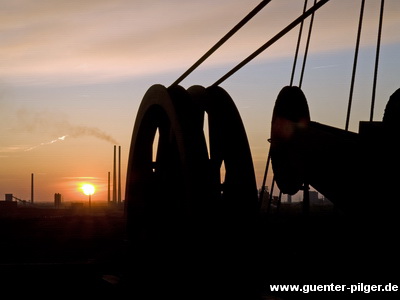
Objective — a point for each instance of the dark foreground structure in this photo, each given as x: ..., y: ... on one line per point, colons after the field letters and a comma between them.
x: 53, y: 253
x: 215, y: 243
x: 183, y: 215
x: 188, y: 232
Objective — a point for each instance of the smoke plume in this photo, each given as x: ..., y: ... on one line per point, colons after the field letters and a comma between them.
x: 58, y: 125
x: 78, y: 131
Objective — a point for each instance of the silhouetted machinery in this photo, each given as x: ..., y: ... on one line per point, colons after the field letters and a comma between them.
x: 180, y: 215
x: 174, y: 176
x: 355, y: 171
x: 178, y: 179
x: 183, y: 216
x: 180, y: 206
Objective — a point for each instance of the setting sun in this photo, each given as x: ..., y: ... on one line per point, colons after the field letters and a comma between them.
x: 88, y: 189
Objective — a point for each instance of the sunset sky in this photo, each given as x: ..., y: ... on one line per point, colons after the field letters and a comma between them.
x: 73, y: 73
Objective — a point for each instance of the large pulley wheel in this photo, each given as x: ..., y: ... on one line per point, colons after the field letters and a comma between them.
x: 290, y: 115
x: 166, y: 181
x: 236, y: 190
x: 178, y: 217
x: 234, y: 193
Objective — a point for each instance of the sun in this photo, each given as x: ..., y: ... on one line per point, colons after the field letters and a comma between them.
x: 88, y: 189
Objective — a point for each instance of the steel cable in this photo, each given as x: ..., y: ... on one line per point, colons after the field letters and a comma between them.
x: 223, y: 40
x: 274, y: 39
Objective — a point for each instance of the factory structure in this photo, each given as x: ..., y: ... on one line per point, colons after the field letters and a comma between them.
x: 113, y: 195
x: 116, y: 195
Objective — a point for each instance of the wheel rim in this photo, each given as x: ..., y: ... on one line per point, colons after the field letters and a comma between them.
x: 163, y: 194
x: 228, y: 145
x: 290, y: 115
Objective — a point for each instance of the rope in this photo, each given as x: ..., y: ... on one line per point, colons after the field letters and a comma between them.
x: 353, y: 76
x: 307, y: 46
x: 378, y: 45
x: 298, y: 46
x: 223, y: 40
x: 272, y: 41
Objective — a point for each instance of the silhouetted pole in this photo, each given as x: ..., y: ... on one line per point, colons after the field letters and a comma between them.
x: 109, y: 187
x: 32, y: 188
x: 90, y: 200
x: 119, y: 174
x: 115, y: 176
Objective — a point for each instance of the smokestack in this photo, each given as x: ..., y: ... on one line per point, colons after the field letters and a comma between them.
x: 115, y: 176
x: 119, y: 174
x: 32, y: 188
x: 109, y: 187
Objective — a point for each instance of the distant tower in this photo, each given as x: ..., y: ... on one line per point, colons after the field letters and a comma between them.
x: 57, y: 200
x: 114, y: 199
x: 109, y: 189
x: 119, y: 174
x: 32, y: 188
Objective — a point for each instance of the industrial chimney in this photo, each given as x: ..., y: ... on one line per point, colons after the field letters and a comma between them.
x: 119, y: 174
x: 109, y: 188
x: 32, y: 188
x: 114, y: 199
